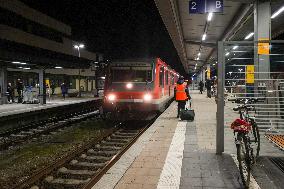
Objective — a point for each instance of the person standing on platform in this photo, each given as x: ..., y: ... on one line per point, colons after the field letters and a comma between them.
x: 52, y: 88
x: 181, y: 94
x: 10, y: 93
x: 201, y: 85
x: 63, y: 90
x: 20, y: 88
x: 208, y: 87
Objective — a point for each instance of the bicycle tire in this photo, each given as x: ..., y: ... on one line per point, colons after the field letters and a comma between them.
x: 258, y: 141
x: 243, y: 159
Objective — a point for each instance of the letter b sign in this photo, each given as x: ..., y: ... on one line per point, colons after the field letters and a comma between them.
x: 214, y: 6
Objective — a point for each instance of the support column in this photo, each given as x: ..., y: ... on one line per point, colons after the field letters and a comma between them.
x: 42, y: 87
x: 262, y: 31
x: 203, y: 75
x: 3, y: 85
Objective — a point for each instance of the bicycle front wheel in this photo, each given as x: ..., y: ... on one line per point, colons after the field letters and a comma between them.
x: 243, y: 159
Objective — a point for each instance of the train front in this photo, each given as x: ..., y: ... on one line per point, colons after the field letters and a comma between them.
x: 129, y: 91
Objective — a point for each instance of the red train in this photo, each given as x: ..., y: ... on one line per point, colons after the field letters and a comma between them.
x: 138, y: 89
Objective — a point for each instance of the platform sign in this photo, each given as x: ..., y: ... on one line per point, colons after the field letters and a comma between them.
x: 214, y: 6
x: 208, y: 73
x: 197, y: 6
x: 263, y: 48
x: 250, y: 74
x: 204, y: 6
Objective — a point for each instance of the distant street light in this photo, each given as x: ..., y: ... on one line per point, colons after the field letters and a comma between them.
x: 78, y: 47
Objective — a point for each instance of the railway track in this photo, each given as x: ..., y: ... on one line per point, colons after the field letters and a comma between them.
x: 85, y: 166
x: 25, y: 133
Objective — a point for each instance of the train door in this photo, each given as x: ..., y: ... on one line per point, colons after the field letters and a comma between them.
x: 167, y: 89
x: 161, y: 81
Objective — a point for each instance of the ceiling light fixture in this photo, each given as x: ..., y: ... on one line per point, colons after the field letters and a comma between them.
x: 199, y: 54
x: 26, y: 68
x: 249, y: 35
x: 275, y: 14
x: 235, y: 47
x: 23, y: 63
x: 58, y: 67
x: 227, y: 54
x: 203, y: 37
x: 210, y: 15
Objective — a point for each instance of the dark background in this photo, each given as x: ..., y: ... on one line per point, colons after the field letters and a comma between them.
x: 118, y: 29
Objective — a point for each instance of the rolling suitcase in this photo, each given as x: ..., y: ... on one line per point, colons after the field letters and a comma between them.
x: 187, y: 113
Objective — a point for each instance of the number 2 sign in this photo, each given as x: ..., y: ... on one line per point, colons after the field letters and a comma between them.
x: 197, y: 6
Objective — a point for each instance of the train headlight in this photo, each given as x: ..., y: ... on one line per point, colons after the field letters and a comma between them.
x: 147, y: 97
x: 129, y: 85
x: 111, y: 97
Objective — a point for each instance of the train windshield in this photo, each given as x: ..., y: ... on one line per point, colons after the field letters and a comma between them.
x: 131, y: 74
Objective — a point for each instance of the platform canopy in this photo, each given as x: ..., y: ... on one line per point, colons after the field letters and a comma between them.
x: 186, y: 30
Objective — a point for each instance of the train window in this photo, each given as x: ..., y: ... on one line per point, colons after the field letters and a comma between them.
x: 167, y: 77
x: 161, y: 79
x: 172, y: 79
x: 131, y: 74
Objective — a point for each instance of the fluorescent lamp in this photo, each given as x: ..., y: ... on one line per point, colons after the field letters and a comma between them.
x: 210, y: 15
x: 227, y: 54
x: 235, y: 47
x: 199, y: 54
x: 275, y: 14
x: 23, y: 63
x: 203, y: 37
x: 197, y: 58
x: 81, y: 45
x: 76, y: 46
x: 26, y: 68
x: 58, y: 67
x: 249, y: 35
x: 20, y: 67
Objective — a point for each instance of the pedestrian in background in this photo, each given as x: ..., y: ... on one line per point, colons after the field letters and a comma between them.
x: 20, y: 88
x: 10, y: 93
x: 52, y: 88
x: 181, y: 94
x: 208, y: 88
x: 63, y: 90
x: 201, y: 85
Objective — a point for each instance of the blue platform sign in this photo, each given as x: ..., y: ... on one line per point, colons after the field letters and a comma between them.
x: 204, y: 6
x: 197, y: 6
x: 214, y: 6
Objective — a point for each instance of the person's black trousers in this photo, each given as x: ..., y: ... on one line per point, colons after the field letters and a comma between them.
x: 181, y: 105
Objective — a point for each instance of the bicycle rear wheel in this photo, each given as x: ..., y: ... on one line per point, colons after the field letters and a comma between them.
x: 255, y: 142
x: 243, y: 159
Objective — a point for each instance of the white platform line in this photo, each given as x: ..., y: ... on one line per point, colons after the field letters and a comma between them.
x: 171, y: 173
x: 253, y: 183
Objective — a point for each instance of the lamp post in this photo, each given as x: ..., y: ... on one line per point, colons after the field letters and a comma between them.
x: 78, y: 47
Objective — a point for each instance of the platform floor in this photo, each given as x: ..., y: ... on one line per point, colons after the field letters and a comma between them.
x: 180, y: 154
x: 15, y: 108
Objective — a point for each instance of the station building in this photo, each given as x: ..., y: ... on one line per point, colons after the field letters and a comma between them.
x: 39, y: 49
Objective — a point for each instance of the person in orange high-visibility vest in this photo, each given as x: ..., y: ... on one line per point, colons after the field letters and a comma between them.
x: 181, y: 94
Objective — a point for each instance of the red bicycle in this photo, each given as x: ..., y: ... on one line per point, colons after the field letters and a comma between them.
x: 247, y: 138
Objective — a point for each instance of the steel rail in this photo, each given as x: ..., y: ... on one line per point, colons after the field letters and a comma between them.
x: 98, y: 176
x: 46, y: 170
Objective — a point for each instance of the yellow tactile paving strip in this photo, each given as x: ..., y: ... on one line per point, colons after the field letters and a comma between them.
x: 276, y: 139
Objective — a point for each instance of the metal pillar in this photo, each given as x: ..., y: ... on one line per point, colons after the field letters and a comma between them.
x: 203, y: 75
x: 262, y: 31
x: 42, y: 87
x: 3, y: 85
x: 220, y: 99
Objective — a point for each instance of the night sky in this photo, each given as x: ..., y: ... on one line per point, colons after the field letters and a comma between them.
x: 119, y: 29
